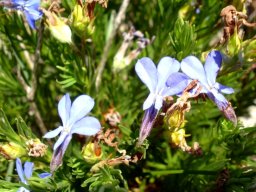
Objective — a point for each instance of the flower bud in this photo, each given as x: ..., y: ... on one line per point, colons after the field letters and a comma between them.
x: 178, y: 139
x: 234, y: 44
x: 175, y: 119
x: 12, y: 150
x: 58, y: 28
x: 81, y: 22
x: 91, y: 153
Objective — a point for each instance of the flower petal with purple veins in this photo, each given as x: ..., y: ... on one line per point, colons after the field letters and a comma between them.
x: 86, y: 126
x: 224, y: 106
x: 230, y: 114
x: 81, y: 106
x: 147, y: 123
x: 212, y: 66
x: 147, y: 72
x: 193, y: 68
x: 59, y: 153
x: 165, y: 68
x: 60, y: 140
x: 176, y: 84
x: 64, y: 107
x: 218, y: 96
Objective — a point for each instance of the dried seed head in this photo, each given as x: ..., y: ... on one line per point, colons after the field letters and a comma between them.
x: 112, y: 117
x: 36, y: 148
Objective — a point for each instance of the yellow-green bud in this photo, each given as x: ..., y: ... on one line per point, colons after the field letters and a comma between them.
x: 175, y: 119
x: 58, y: 28
x: 81, y: 22
x: 178, y: 139
x: 12, y: 150
x: 91, y: 153
x: 234, y: 44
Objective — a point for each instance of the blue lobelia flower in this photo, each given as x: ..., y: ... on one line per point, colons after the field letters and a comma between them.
x: 30, y: 8
x: 25, y: 173
x: 73, y: 121
x: 155, y: 79
x: 206, y: 75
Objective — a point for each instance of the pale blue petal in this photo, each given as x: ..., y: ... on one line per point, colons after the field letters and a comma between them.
x: 44, y: 175
x: 81, y: 106
x: 193, y: 68
x: 59, y: 153
x: 146, y: 70
x: 53, y: 133
x: 147, y: 123
x: 64, y: 109
x: 60, y: 140
x: 176, y: 84
x: 28, y: 169
x: 33, y: 4
x: 223, y: 88
x: 86, y: 126
x: 212, y: 66
x: 218, y: 96
x: 149, y: 101
x: 34, y: 14
x: 18, y: 2
x: 165, y: 68
x: 203, y: 89
x: 158, y: 102
x: 23, y: 189
x: 30, y: 20
x: 20, y: 171
x: 218, y: 99
x: 31, y: 11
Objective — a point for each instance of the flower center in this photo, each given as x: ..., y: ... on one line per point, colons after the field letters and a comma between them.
x: 66, y: 129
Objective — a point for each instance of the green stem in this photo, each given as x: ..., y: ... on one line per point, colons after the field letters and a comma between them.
x: 180, y: 171
x: 9, y: 171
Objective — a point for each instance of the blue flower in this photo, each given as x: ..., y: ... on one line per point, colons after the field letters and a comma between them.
x: 73, y: 121
x: 25, y: 173
x: 206, y: 75
x: 30, y: 8
x: 155, y: 79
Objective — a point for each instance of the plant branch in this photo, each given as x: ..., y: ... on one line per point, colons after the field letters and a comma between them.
x: 31, y: 90
x: 34, y: 80
x: 120, y: 16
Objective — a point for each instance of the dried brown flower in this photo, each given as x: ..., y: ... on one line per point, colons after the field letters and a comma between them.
x: 233, y: 20
x: 36, y: 148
